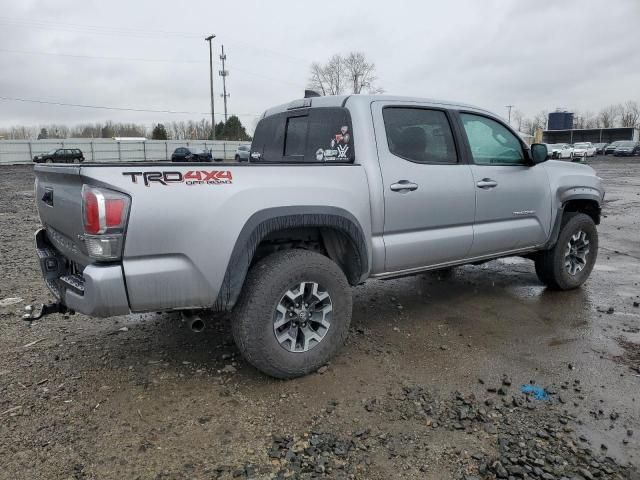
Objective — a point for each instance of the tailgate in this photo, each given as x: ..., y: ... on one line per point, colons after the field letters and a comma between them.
x: 58, y: 194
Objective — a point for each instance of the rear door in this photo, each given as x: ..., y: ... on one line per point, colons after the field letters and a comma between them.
x: 429, y: 196
x: 513, y: 198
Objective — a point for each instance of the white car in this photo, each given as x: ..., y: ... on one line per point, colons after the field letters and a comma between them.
x: 584, y: 150
x: 560, y: 150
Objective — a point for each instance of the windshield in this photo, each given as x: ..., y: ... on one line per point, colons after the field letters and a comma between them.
x: 557, y: 145
x: 51, y: 152
x: 625, y: 144
x: 582, y: 145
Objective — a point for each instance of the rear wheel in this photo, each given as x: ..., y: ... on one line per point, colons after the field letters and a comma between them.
x: 568, y: 264
x: 293, y: 314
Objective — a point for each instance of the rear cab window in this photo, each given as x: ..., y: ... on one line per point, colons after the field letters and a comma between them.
x: 313, y: 135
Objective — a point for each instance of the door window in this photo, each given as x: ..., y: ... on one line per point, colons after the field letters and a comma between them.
x: 419, y: 135
x: 491, y: 143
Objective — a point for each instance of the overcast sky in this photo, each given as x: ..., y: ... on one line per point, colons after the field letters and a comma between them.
x: 151, y: 55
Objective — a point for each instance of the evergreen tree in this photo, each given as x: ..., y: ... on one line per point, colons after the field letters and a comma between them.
x: 159, y: 132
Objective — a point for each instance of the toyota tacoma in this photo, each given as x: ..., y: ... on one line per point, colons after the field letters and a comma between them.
x: 337, y: 190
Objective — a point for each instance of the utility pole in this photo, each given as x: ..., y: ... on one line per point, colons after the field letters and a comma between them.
x: 213, y: 121
x: 223, y: 73
x: 509, y: 107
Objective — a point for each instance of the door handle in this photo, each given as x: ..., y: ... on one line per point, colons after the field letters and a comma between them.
x: 403, y: 186
x: 487, y: 183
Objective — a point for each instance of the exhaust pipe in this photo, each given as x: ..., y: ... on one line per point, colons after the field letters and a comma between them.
x: 196, y: 324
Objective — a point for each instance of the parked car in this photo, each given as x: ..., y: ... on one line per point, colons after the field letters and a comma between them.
x: 611, y: 148
x: 316, y: 211
x: 561, y: 150
x: 242, y: 153
x: 600, y: 148
x: 184, y: 154
x: 60, y: 155
x: 582, y: 150
x: 627, y: 149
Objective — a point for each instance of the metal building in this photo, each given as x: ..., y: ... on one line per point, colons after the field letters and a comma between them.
x: 593, y: 135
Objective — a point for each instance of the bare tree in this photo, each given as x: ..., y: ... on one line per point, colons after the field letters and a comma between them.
x: 608, y: 116
x: 361, y: 73
x: 339, y: 75
x: 630, y: 114
x: 518, y: 120
x: 590, y: 120
x: 540, y: 120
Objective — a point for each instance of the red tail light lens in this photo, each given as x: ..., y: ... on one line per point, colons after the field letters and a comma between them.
x: 104, y: 211
x: 90, y: 212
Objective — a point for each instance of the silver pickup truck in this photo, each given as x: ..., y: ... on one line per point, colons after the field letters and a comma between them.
x: 337, y: 190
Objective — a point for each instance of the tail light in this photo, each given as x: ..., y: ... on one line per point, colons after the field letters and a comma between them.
x: 104, y: 215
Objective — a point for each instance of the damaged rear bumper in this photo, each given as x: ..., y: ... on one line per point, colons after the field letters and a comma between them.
x: 95, y: 290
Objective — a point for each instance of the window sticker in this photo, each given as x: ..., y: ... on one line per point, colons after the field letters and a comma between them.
x: 339, y: 147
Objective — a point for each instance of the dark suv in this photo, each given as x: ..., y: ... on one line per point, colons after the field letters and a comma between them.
x: 184, y: 154
x: 60, y: 155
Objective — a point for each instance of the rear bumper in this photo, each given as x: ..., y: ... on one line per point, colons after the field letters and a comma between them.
x: 98, y: 290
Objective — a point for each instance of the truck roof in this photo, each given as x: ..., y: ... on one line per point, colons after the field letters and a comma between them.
x: 342, y: 100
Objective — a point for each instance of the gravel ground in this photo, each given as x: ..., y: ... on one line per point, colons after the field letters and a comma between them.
x: 428, y: 385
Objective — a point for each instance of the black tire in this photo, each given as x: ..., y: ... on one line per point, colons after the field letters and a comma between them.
x: 237, y: 158
x: 550, y: 264
x: 254, y: 314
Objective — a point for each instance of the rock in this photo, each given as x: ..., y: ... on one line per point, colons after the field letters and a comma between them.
x: 585, y: 473
x: 229, y: 369
x: 501, y: 472
x: 323, y: 369
x: 5, y: 302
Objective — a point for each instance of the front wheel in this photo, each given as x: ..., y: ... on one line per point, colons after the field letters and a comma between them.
x: 568, y: 264
x: 293, y: 314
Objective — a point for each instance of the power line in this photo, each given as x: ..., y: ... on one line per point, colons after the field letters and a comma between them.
x: 133, y: 59
x: 126, y: 109
x: 146, y: 33
x: 98, y: 57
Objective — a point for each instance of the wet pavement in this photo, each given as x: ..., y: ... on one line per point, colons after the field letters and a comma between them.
x: 144, y: 397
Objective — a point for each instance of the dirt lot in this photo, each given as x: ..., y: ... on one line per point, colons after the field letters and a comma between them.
x: 428, y: 385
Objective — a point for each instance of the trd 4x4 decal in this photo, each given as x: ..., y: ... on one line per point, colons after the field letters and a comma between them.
x: 192, y: 177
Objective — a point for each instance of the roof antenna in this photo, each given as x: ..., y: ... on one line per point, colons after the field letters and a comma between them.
x: 311, y: 94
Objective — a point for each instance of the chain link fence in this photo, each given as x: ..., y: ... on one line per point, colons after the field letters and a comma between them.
x: 107, y: 150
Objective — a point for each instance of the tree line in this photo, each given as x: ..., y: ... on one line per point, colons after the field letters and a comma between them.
x: 230, y: 130
x: 625, y: 114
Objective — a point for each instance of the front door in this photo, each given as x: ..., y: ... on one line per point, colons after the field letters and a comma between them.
x: 513, y: 198
x: 429, y: 195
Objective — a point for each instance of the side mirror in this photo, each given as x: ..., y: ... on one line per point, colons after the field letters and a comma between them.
x: 539, y: 153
